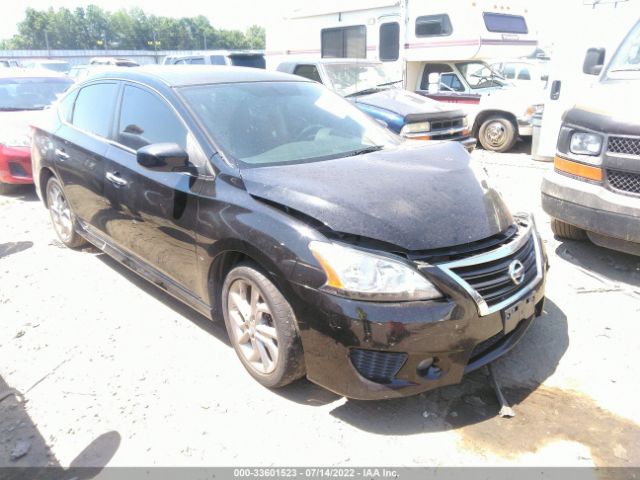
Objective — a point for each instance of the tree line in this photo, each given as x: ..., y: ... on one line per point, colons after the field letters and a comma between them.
x: 94, y: 28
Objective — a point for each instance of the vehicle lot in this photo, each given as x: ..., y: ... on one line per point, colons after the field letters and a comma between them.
x: 114, y: 371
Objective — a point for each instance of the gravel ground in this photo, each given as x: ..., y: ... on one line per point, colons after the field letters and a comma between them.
x: 106, y: 369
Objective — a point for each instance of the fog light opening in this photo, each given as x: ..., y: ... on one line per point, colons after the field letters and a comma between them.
x: 428, y: 369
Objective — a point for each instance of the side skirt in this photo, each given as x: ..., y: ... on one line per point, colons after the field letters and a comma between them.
x: 145, y: 270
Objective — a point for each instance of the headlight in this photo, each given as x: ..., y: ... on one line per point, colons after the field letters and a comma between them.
x: 534, y: 110
x: 465, y: 121
x: 15, y: 137
x: 586, y: 143
x: 413, y: 128
x: 358, y: 274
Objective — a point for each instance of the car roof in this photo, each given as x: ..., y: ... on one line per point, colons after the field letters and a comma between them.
x: 183, y: 75
x: 31, y: 73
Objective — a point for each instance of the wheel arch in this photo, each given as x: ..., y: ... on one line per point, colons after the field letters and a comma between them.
x: 43, y: 177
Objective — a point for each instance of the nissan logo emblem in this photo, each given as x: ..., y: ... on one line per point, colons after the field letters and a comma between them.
x: 516, y: 272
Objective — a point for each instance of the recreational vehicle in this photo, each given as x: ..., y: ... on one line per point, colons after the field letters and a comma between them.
x: 437, y: 48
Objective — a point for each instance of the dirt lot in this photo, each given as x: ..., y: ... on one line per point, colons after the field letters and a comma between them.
x: 110, y: 370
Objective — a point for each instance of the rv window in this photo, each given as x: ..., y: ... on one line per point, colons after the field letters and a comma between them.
x: 433, y: 26
x: 503, y: 23
x: 524, y: 74
x: 344, y: 42
x: 389, y: 41
x: 196, y: 61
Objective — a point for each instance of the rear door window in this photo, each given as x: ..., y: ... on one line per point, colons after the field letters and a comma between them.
x: 308, y: 71
x: 145, y: 119
x: 94, y: 108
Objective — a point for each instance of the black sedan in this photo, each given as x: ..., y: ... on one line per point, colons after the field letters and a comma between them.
x: 377, y: 266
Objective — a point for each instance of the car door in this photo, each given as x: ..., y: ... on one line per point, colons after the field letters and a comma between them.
x: 152, y: 214
x: 80, y: 145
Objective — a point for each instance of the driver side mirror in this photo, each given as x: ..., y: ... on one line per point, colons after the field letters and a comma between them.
x: 163, y: 157
x: 434, y: 82
x: 593, y: 61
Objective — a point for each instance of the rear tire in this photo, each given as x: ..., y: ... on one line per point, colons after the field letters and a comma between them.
x: 63, y: 219
x: 262, y: 327
x: 497, y: 134
x: 565, y: 230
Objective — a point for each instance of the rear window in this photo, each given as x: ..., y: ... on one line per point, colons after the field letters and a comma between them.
x: 503, y: 23
x: 253, y: 61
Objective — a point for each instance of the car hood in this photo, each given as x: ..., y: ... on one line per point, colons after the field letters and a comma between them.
x: 415, y: 197
x: 408, y: 104
x: 606, y: 109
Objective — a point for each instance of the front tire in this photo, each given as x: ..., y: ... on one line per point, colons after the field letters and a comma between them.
x: 497, y: 134
x: 565, y: 230
x: 262, y: 327
x: 62, y: 217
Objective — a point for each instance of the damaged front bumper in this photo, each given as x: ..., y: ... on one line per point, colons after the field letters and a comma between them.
x: 373, y: 350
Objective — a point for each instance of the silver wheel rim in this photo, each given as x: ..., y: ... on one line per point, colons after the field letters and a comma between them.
x: 496, y: 134
x: 60, y: 212
x: 252, y: 324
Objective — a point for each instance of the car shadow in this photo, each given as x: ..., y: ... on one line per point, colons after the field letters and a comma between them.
x: 609, y: 265
x: 10, y: 248
x: 24, y: 448
x: 26, y: 193
x: 523, y: 370
x: 215, y: 328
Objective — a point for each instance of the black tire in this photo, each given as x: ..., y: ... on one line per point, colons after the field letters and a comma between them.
x: 69, y: 236
x: 289, y: 365
x: 497, y: 134
x: 565, y: 230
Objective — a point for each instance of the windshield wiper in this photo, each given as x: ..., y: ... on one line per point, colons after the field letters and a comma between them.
x: 362, y: 151
x: 19, y: 109
x: 389, y: 83
x: 366, y: 91
x: 634, y: 69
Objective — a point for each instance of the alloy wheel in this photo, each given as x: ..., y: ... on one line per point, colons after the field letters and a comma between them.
x: 253, y: 327
x: 60, y: 212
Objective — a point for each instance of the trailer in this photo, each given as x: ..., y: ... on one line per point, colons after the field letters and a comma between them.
x: 447, y: 41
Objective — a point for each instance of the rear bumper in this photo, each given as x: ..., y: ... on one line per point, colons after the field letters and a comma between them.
x: 375, y: 350
x: 15, y: 165
x: 592, y: 207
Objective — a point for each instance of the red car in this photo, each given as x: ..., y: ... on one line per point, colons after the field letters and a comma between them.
x: 23, y: 95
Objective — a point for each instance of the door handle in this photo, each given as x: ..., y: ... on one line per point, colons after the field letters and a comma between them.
x: 116, y: 179
x: 61, y: 154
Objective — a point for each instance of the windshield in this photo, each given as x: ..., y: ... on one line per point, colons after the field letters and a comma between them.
x: 626, y: 62
x: 276, y: 123
x: 30, y: 93
x: 351, y: 78
x: 480, y: 75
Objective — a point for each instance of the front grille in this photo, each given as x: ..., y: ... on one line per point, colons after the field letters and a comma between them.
x: 379, y: 367
x: 492, y: 279
x: 624, y: 181
x: 442, y: 124
x: 628, y: 146
x: 437, y: 126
